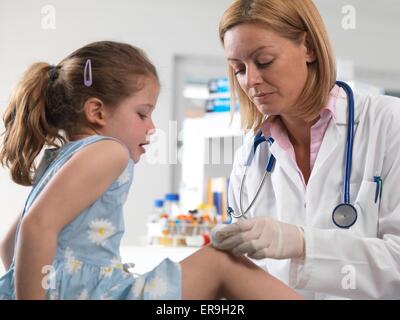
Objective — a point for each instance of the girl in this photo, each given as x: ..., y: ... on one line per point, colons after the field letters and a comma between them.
x: 72, y: 222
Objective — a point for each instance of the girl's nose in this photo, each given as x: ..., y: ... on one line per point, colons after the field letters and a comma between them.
x: 151, y: 129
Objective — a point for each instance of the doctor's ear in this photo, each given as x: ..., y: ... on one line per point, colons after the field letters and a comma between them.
x: 95, y: 112
x: 309, y: 48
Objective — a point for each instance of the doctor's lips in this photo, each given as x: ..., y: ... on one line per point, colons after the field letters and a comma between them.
x: 262, y: 96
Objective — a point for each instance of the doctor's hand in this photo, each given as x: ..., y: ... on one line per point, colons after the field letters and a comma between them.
x: 260, y: 238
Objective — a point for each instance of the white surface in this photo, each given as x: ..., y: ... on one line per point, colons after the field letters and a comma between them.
x: 147, y: 257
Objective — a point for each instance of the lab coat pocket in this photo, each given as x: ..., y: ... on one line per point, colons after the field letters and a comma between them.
x: 367, y: 210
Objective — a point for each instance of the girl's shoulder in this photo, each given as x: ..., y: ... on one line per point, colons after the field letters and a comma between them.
x: 96, y: 152
x: 97, y: 143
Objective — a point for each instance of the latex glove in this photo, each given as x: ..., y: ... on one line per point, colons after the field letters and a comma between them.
x: 261, y: 238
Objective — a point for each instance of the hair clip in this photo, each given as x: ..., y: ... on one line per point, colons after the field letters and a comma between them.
x: 88, y: 71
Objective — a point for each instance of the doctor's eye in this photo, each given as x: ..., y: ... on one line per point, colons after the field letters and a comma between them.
x: 264, y: 65
x: 238, y: 72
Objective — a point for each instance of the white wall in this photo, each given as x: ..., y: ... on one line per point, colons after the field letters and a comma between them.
x: 163, y: 28
x: 374, y: 45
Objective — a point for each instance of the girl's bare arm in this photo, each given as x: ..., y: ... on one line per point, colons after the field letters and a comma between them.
x: 75, y: 187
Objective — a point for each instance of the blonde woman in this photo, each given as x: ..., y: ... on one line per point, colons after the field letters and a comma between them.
x: 318, y: 217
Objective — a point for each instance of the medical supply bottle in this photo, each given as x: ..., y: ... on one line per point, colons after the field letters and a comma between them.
x: 171, y: 205
x: 157, y: 212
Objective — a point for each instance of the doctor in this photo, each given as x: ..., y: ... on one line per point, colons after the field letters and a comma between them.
x: 326, y: 217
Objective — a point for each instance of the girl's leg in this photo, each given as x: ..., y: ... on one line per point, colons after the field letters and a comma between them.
x: 213, y: 274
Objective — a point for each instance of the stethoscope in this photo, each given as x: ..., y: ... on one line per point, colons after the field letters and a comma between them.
x: 345, y: 214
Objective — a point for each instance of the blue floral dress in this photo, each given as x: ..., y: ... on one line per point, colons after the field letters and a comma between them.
x: 87, y: 262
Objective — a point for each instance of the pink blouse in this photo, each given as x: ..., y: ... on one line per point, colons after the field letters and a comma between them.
x: 277, y: 130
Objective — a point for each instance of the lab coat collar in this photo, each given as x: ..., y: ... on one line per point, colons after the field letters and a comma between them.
x: 342, y: 107
x: 336, y: 132
x: 284, y: 160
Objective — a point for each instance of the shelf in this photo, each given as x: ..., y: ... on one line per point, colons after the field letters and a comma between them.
x: 201, y: 137
x: 222, y: 95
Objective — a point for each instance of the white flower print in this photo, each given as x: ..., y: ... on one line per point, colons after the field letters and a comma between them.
x: 68, y: 253
x: 157, y: 287
x: 73, y: 264
x: 124, y: 177
x: 116, y: 263
x: 84, y: 295
x: 100, y: 230
x: 106, y: 272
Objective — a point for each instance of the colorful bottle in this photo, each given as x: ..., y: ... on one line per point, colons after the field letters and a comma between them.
x: 171, y: 205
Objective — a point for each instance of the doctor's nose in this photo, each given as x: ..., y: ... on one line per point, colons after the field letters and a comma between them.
x: 253, y: 77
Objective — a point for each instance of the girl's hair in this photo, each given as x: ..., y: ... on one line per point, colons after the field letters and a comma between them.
x: 49, y: 100
x: 290, y: 19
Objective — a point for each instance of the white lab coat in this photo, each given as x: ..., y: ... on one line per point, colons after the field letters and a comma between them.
x: 362, y: 262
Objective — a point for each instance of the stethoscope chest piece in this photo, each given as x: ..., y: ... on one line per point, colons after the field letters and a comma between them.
x: 344, y: 215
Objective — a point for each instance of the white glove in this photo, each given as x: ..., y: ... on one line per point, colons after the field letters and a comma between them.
x: 261, y: 238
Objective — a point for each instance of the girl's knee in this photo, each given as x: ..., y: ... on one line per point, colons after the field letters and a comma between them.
x: 223, y: 259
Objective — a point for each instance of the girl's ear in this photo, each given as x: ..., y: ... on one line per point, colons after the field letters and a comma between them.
x: 95, y: 112
x: 309, y: 48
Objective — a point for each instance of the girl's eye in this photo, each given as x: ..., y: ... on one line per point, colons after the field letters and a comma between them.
x: 142, y: 116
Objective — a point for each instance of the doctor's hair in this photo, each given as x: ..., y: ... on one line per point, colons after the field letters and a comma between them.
x: 47, y: 106
x: 290, y: 19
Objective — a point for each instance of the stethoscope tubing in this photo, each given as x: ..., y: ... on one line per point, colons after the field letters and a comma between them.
x: 271, y: 162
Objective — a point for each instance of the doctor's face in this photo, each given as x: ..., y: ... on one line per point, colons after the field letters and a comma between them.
x: 270, y: 69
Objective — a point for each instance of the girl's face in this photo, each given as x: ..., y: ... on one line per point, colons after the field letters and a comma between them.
x: 131, y: 120
x: 270, y: 69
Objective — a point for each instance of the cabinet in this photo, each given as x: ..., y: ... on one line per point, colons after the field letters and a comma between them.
x: 207, y: 140
x: 209, y: 145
